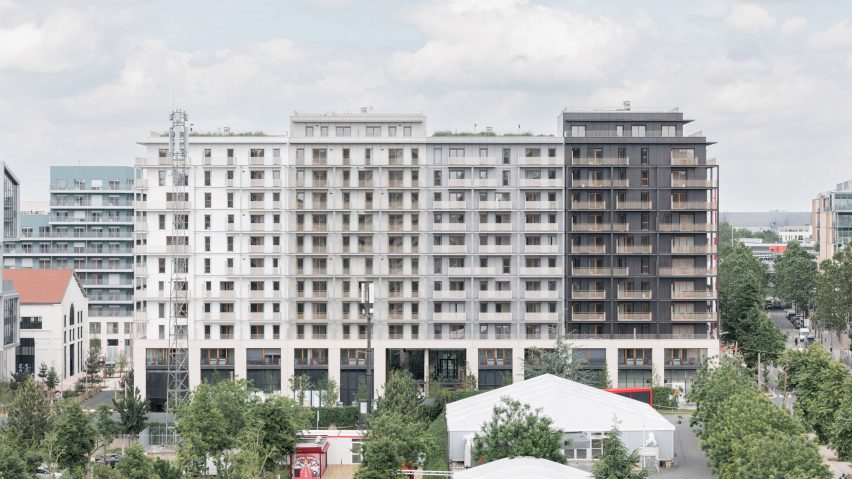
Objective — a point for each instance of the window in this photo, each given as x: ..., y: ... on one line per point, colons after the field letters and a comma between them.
x: 374, y: 131
x: 406, y: 131
x: 343, y: 131
x: 309, y: 131
x: 669, y: 130
x: 637, y: 130
x: 391, y: 131
x: 619, y: 130
x: 578, y: 130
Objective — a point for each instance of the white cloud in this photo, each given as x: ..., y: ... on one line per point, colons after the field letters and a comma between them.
x: 749, y: 17
x: 838, y: 35
x: 793, y: 25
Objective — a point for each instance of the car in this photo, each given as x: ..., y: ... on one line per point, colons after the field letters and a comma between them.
x: 108, y: 459
x: 43, y: 472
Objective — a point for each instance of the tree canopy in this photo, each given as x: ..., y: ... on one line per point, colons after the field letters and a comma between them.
x: 131, y: 408
x: 834, y: 290
x: 795, y: 276
x: 515, y: 430
x: 559, y: 361
x: 616, y: 461
x: 28, y: 416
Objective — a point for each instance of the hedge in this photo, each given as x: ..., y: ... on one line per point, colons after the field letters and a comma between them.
x: 339, y: 417
x: 664, y: 398
x: 437, y: 456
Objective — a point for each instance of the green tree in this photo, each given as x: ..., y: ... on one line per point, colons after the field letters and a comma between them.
x: 299, y: 386
x: 409, y: 435
x: 834, y: 291
x: 328, y: 392
x: 841, y: 430
x: 516, y: 430
x: 251, y: 458
x: 796, y: 276
x: 105, y: 427
x: 75, y: 434
x: 604, y: 381
x: 104, y: 471
x: 165, y: 470
x: 559, y: 361
x: 12, y: 465
x: 615, y: 462
x: 28, y: 415
x: 400, y: 394
x: 783, y: 455
x: 94, y: 365
x: 135, y: 464
x: 380, y: 460
x: 42, y: 371
x: 280, y: 420
x: 820, y: 385
x: 131, y: 408
x: 203, y: 430
x: 51, y: 380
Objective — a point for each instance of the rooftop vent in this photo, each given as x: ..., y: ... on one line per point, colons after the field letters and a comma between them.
x: 627, y: 105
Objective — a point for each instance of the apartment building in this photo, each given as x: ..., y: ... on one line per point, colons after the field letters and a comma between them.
x: 88, y: 229
x: 465, y: 239
x: 642, y: 244
x: 9, y: 298
x: 831, y: 220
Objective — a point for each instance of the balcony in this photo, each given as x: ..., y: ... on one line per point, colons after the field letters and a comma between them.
x: 541, y: 227
x: 450, y: 249
x: 140, y: 271
x: 634, y: 316
x: 449, y: 227
x: 588, y: 249
x: 495, y: 205
x: 693, y: 205
x: 485, y: 183
x: 620, y: 183
x: 620, y: 271
x: 541, y: 205
x: 527, y: 271
x: 540, y: 183
x: 591, y: 227
x: 588, y: 294
x: 695, y: 161
x: 539, y: 161
x: 541, y: 317
x: 621, y: 227
x: 459, y: 182
x: 495, y: 318
x: 590, y: 183
x: 449, y: 317
x: 541, y: 294
x: 444, y: 295
x: 633, y: 205
x: 495, y: 295
x: 473, y: 161
x: 593, y: 271
x: 449, y: 205
x: 694, y: 249
x: 697, y: 271
x: 140, y: 226
x: 633, y: 249
x: 703, y: 295
x: 495, y: 249
x: 484, y: 271
x: 638, y: 295
x: 540, y: 248
x: 451, y: 271
x: 495, y: 227
x: 677, y: 183
x: 600, y: 161
x: 588, y: 316
x: 588, y: 205
x: 693, y: 316
x: 687, y: 227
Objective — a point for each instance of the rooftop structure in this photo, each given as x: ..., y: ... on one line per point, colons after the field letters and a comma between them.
x: 522, y: 468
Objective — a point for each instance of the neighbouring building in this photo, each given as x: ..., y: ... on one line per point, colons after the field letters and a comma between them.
x: 9, y: 301
x: 465, y: 238
x: 54, y: 317
x: 831, y: 220
x: 89, y: 228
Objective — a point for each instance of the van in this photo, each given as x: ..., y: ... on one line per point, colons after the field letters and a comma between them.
x: 804, y: 333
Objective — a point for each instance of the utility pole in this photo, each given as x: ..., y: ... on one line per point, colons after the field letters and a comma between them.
x: 758, y: 369
x: 367, y: 298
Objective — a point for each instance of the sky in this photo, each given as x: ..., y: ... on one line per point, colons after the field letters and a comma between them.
x: 770, y: 81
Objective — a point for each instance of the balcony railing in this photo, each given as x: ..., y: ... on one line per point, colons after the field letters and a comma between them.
x: 588, y: 205
x: 629, y: 294
x: 600, y: 161
x: 634, y: 316
x: 692, y: 316
x: 693, y: 205
x: 687, y: 227
x: 633, y: 205
x: 694, y: 249
x: 588, y: 249
x: 588, y: 316
x: 591, y: 227
x: 634, y: 249
x: 688, y: 271
x: 600, y: 271
x: 708, y: 294
x: 588, y: 294
x: 676, y: 183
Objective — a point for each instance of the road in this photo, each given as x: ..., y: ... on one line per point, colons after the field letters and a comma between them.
x: 779, y: 317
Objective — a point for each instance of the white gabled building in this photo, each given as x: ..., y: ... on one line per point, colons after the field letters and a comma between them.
x: 54, y: 321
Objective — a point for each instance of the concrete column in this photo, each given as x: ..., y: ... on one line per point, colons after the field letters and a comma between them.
x: 287, y: 370
x: 379, y: 370
x: 194, y: 365
x: 518, y: 364
x: 426, y: 375
x: 334, y: 366
x: 137, y: 362
x: 612, y: 365
x: 472, y: 358
x: 240, y: 363
x: 657, y: 363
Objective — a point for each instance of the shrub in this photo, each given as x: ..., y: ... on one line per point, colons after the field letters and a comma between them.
x: 340, y: 417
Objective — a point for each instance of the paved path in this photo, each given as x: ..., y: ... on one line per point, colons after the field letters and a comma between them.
x: 691, y: 461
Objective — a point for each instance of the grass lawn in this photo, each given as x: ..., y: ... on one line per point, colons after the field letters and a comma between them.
x: 436, y: 457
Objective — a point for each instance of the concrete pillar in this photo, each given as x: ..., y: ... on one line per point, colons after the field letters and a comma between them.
x: 426, y: 375
x: 380, y: 369
x: 194, y: 365
x: 518, y: 356
x: 472, y: 358
x: 657, y: 363
x: 137, y: 363
x: 240, y: 363
x: 612, y: 365
x: 334, y: 367
x: 287, y: 370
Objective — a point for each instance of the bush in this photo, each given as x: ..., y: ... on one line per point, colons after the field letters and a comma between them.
x: 436, y: 456
x: 432, y: 408
x: 664, y: 398
x: 340, y: 417
x: 459, y: 395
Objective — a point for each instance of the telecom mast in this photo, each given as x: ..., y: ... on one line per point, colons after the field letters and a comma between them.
x: 177, y: 198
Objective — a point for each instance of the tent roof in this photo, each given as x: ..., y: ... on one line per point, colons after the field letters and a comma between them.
x: 522, y: 468
x: 574, y: 407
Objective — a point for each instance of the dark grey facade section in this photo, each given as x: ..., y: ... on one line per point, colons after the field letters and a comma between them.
x: 642, y: 221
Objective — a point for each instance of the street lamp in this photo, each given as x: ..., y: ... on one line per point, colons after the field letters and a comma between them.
x: 366, y: 298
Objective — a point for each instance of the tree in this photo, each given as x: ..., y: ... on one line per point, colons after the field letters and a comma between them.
x: 51, y: 380
x: 834, y: 291
x: 820, y: 385
x: 299, y: 386
x: 94, y: 365
x: 784, y: 455
x: 105, y: 427
x: 28, y: 415
x: 280, y: 420
x: 122, y: 363
x: 604, y: 381
x: 841, y: 430
x: 796, y: 276
x: 131, y: 408
x: 251, y: 458
x: 135, y: 464
x: 408, y: 434
x: 559, y: 361
x: 12, y: 465
x: 104, y: 471
x: 328, y: 392
x: 400, y: 394
x: 165, y: 470
x: 379, y: 461
x: 75, y: 434
x: 203, y: 429
x: 516, y: 430
x: 615, y: 462
x: 42, y: 371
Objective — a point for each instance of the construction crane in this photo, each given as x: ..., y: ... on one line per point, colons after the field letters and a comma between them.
x: 177, y: 199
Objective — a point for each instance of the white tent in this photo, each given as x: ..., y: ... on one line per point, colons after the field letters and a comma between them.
x: 576, y: 410
x: 522, y: 468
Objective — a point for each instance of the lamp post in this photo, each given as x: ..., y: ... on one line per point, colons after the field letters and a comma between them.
x: 366, y: 296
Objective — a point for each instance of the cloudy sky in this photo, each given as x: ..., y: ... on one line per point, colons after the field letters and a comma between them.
x: 770, y: 81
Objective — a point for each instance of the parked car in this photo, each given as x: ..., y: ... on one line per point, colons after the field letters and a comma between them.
x: 108, y: 459
x: 43, y: 472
